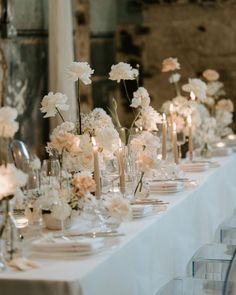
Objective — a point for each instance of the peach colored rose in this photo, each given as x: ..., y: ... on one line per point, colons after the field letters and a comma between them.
x: 118, y: 207
x: 225, y: 105
x: 170, y: 64
x: 83, y: 183
x: 67, y: 141
x: 211, y: 75
x: 146, y: 161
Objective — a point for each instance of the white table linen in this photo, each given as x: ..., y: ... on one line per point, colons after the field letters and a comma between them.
x: 154, y: 250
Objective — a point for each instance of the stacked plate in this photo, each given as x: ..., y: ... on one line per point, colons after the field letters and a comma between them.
x: 195, y: 166
x: 166, y: 186
x: 221, y: 152
x: 63, y: 246
x: 139, y: 211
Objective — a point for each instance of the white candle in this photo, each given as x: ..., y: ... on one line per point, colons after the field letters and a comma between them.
x: 174, y: 143
x: 121, y: 167
x: 164, y: 132
x: 190, y: 138
x: 96, y: 169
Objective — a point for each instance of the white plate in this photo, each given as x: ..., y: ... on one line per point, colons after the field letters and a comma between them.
x: 169, y: 191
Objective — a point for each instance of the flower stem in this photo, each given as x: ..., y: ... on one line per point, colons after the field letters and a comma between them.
x: 140, y: 183
x: 59, y: 113
x: 79, y: 109
x: 126, y: 90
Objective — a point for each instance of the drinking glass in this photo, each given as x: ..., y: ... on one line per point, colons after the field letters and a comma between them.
x: 50, y: 172
x: 180, y: 141
x: 111, y: 173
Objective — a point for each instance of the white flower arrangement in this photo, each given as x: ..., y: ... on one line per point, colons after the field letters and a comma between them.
x: 11, y: 179
x: 8, y: 125
x: 118, y: 207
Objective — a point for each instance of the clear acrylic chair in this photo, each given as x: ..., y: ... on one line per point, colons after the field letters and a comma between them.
x: 191, y: 286
x: 212, y: 261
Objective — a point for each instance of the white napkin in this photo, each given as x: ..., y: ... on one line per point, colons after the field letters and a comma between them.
x: 141, y: 210
x: 195, y: 166
x: 81, y: 244
x: 22, y: 264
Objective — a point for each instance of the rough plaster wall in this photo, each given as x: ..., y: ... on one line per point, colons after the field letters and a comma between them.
x: 201, y: 37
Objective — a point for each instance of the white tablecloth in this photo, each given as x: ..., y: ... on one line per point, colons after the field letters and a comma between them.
x: 154, y: 250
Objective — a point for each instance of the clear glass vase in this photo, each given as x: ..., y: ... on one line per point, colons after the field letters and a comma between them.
x: 205, y: 151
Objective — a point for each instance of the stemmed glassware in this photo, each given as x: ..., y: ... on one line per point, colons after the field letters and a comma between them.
x: 111, y: 173
x: 180, y: 141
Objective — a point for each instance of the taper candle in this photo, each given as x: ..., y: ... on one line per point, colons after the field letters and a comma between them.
x: 192, y: 96
x: 164, y: 134
x: 121, y: 167
x: 174, y: 143
x: 96, y: 169
x: 190, y: 138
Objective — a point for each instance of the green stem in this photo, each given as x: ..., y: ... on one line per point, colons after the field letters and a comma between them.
x: 126, y: 90
x: 59, y: 113
x: 79, y: 109
x: 140, y: 183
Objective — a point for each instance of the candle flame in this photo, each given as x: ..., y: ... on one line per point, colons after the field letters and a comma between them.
x: 192, y: 96
x: 171, y: 108
x: 220, y: 144
x: 93, y: 141
x: 120, y: 143
x: 231, y: 136
x: 174, y: 127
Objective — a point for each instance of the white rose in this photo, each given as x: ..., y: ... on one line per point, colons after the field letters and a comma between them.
x: 122, y: 71
x: 141, y: 98
x: 53, y: 102
x: 81, y: 71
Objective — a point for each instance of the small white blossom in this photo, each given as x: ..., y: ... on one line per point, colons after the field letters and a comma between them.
x: 52, y: 102
x: 141, y: 98
x: 197, y: 86
x: 174, y: 78
x: 81, y: 71
x: 11, y: 179
x: 149, y: 118
x: 8, y: 125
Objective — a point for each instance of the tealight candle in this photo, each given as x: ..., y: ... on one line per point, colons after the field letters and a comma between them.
x: 174, y: 143
x: 121, y: 167
x: 164, y: 133
x: 190, y: 138
x: 96, y: 169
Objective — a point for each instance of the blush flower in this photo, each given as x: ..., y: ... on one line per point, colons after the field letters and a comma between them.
x: 225, y: 105
x: 52, y: 103
x: 146, y: 161
x: 83, y: 183
x: 81, y: 71
x: 211, y: 75
x: 122, y: 71
x: 170, y: 64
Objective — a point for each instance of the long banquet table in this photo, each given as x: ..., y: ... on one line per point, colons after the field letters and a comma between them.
x: 154, y: 250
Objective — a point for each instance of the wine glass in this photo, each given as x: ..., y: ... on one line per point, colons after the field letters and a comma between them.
x: 180, y: 141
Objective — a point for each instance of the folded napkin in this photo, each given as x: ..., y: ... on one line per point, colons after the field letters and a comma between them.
x: 22, y: 264
x: 166, y: 186
x: 81, y: 244
x: 195, y: 166
x: 221, y: 152
x: 141, y: 210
